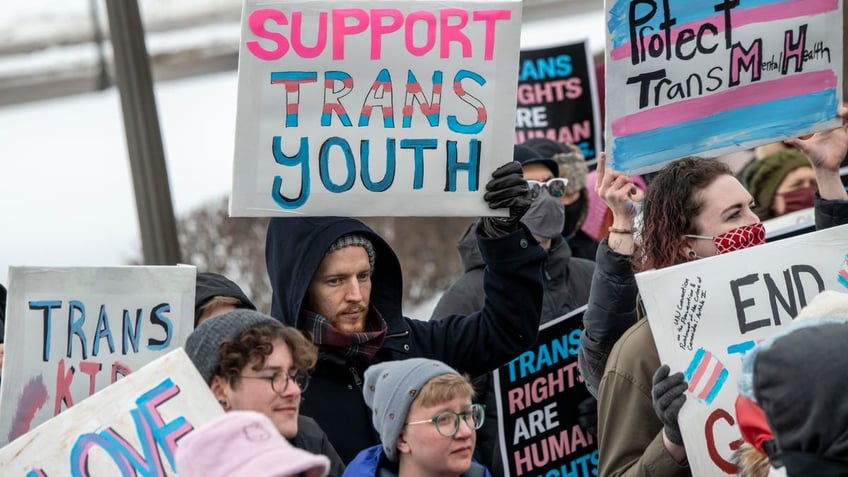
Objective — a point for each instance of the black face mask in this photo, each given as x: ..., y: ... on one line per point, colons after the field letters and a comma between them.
x: 572, y: 216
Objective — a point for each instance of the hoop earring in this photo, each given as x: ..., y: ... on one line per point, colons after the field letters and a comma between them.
x: 224, y: 404
x: 692, y: 255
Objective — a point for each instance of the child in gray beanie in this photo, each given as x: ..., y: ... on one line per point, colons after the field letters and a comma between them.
x: 427, y: 423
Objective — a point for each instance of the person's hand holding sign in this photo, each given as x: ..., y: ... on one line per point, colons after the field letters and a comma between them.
x: 826, y: 151
x: 619, y: 192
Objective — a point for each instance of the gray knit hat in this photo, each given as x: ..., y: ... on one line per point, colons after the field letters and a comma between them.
x: 202, y: 344
x: 389, y: 390
x: 355, y: 239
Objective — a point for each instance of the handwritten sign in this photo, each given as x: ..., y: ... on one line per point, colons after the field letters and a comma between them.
x: 557, y: 97
x: 129, y: 428
x: 380, y: 108
x: 705, y: 315
x: 537, y: 395
x: 694, y: 77
x: 71, y: 332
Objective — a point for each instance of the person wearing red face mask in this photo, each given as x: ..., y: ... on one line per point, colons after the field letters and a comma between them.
x: 693, y: 208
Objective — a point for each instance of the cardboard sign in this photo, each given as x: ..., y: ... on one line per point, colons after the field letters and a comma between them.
x: 558, y: 98
x: 537, y: 395
x: 690, y: 77
x: 71, y: 332
x: 705, y: 315
x: 129, y: 428
x: 373, y: 108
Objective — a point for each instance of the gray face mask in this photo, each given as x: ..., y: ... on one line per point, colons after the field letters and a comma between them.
x: 545, y: 217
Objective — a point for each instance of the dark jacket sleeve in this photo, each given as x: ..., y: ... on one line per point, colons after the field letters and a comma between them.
x: 610, y: 312
x: 507, y: 324
x: 830, y: 213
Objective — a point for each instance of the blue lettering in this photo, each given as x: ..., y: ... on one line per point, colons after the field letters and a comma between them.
x: 300, y: 159
x: 46, y: 306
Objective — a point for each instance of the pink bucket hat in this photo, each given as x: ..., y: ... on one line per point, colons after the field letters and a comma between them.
x: 244, y: 444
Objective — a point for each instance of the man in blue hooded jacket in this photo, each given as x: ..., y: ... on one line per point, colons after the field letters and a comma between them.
x: 339, y: 281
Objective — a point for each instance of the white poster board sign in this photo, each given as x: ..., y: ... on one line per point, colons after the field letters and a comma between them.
x: 693, y: 77
x: 129, y: 428
x: 71, y: 332
x: 373, y: 108
x: 705, y: 315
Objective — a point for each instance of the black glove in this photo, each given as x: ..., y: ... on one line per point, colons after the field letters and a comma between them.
x: 667, y: 395
x: 506, y: 189
x: 587, y: 415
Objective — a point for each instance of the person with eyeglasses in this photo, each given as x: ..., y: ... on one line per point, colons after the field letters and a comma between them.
x: 566, y: 279
x: 252, y: 362
x: 423, y: 411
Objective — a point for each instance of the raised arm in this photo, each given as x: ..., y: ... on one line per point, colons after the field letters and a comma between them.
x: 612, y: 298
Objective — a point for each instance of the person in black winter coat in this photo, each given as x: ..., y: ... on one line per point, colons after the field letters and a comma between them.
x: 566, y: 281
x: 337, y: 279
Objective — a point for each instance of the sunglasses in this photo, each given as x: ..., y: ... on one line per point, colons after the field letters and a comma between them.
x: 555, y: 187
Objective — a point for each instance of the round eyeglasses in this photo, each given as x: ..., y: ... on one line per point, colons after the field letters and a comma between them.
x: 447, y: 422
x: 280, y: 380
x: 555, y: 187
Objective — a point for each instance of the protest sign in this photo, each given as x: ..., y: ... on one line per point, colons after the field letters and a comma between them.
x: 71, y: 332
x: 689, y: 77
x: 373, y: 108
x: 791, y: 224
x: 537, y: 395
x: 129, y: 428
x: 706, y: 314
x: 558, y: 98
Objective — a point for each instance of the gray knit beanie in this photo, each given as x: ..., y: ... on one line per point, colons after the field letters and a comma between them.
x: 355, y: 239
x: 202, y: 344
x: 389, y: 390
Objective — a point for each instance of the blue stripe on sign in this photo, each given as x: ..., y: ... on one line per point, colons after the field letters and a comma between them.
x: 725, y: 129
x: 696, y: 360
x: 683, y: 11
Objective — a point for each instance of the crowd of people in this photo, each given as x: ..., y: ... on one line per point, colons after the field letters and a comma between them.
x: 336, y: 380
x: 354, y: 387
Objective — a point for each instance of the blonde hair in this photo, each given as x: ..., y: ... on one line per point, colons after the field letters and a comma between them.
x: 443, y: 388
x: 750, y: 462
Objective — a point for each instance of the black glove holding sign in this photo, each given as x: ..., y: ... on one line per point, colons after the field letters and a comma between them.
x: 506, y: 189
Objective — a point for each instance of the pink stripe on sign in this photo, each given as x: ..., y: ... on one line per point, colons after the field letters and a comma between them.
x: 740, y: 18
x: 711, y: 382
x: 702, y: 368
x: 739, y: 97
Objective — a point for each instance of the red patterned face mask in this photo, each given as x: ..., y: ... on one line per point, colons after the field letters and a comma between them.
x: 738, y: 238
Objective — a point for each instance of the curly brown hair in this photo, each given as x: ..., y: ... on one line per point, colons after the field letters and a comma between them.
x: 255, y: 344
x: 671, y: 204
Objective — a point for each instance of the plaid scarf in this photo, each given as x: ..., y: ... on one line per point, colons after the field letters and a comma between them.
x: 358, y: 346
